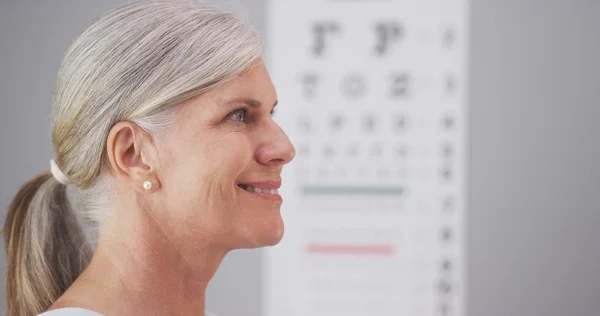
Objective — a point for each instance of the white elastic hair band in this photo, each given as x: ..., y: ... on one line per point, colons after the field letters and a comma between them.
x: 58, y: 175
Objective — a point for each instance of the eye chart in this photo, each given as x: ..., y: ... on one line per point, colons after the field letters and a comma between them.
x: 373, y: 96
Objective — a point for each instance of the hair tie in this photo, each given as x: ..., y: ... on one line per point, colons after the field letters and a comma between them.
x: 58, y: 175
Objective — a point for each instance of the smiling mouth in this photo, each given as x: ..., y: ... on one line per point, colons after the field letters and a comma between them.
x: 252, y: 189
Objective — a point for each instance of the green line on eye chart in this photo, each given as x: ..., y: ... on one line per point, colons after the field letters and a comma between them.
x: 351, y: 190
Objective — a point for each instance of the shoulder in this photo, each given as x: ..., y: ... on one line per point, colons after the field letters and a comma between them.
x: 70, y: 311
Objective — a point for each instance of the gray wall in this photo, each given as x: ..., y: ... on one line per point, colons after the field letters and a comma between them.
x: 534, y: 179
x: 534, y: 184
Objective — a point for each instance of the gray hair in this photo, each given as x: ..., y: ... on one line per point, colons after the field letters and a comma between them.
x: 136, y: 63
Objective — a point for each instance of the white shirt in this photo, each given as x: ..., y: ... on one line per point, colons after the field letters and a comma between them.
x: 73, y: 311
x: 70, y: 311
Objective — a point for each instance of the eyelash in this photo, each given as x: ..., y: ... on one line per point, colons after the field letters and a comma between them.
x: 244, y: 111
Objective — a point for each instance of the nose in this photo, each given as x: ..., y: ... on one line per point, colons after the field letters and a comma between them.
x: 276, y: 148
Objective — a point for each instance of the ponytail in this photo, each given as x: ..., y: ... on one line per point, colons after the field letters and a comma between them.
x: 45, y: 245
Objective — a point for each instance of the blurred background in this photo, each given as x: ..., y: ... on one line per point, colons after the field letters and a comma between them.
x: 531, y: 181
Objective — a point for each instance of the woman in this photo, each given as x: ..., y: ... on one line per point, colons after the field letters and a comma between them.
x: 162, y: 124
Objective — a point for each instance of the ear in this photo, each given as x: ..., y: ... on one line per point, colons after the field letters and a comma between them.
x: 132, y: 156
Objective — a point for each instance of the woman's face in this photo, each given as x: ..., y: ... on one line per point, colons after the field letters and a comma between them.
x: 220, y: 165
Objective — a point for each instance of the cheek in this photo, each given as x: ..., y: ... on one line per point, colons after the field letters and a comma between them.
x: 203, y: 171
x: 235, y: 152
x: 227, y: 157
x: 213, y: 154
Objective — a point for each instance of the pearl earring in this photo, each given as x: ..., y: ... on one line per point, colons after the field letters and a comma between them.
x: 147, y: 185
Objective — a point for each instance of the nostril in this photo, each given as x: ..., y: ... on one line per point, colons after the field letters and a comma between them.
x: 278, y: 161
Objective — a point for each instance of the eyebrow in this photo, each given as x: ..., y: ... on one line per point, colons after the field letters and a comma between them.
x: 250, y: 102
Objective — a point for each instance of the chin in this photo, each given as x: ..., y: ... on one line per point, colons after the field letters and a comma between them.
x: 268, y: 234
x: 274, y: 237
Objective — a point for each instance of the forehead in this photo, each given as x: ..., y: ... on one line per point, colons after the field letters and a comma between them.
x: 255, y: 83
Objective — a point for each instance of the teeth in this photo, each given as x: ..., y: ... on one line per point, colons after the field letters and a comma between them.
x: 250, y: 188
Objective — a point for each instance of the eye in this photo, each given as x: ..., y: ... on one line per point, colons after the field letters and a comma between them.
x: 273, y: 112
x: 238, y: 115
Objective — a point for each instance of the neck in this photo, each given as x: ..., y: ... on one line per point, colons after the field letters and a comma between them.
x: 141, y: 266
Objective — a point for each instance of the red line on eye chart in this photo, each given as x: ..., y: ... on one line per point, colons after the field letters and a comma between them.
x: 350, y: 249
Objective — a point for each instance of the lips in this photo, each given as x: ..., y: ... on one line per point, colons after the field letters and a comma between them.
x: 251, y: 189
x: 264, y: 189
